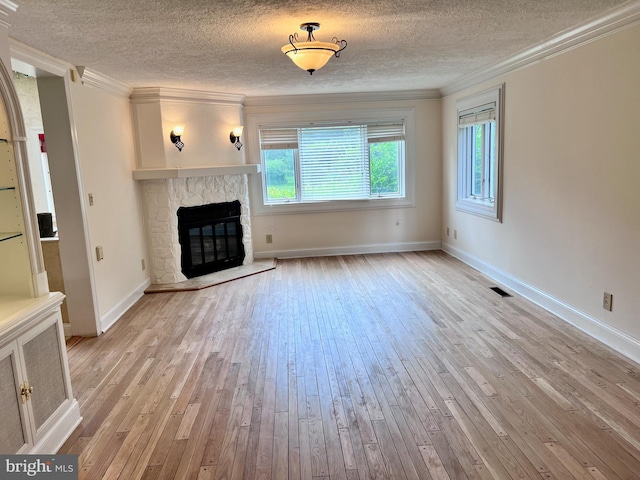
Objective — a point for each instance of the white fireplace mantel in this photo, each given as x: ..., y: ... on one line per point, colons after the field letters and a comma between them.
x: 190, y: 172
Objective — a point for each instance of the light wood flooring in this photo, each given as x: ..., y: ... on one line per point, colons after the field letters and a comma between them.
x: 398, y: 366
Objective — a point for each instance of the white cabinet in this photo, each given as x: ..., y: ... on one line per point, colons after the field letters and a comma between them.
x: 36, y: 401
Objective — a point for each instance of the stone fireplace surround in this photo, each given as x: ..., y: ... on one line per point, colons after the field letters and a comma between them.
x: 166, y: 190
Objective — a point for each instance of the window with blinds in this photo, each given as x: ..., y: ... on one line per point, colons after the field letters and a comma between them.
x: 333, y: 162
x: 479, y: 154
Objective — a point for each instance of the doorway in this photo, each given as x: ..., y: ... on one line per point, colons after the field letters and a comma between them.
x: 59, y: 192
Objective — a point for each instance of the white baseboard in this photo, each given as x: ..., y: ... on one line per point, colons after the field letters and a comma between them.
x: 68, y: 330
x: 614, y: 338
x: 113, y: 314
x: 350, y: 250
x: 58, y: 433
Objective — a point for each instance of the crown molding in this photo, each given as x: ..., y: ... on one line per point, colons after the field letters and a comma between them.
x: 108, y: 84
x: 24, y: 57
x: 7, y: 7
x: 33, y: 62
x: 394, y: 96
x: 154, y: 94
x: 597, y: 27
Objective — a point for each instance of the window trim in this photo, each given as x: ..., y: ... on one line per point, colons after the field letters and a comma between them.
x: 466, y: 201
x: 315, y: 118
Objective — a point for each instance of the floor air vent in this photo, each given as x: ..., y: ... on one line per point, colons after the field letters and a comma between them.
x: 500, y: 292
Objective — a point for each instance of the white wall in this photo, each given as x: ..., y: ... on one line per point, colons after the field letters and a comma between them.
x: 571, y: 218
x: 106, y: 156
x: 364, y: 230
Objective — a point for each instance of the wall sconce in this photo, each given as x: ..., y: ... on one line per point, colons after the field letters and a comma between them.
x: 235, y: 135
x: 175, y: 135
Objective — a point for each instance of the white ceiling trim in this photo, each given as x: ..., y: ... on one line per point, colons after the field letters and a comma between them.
x: 98, y: 80
x: 613, y: 21
x: 154, y: 94
x: 343, y: 98
x: 7, y: 7
x: 29, y: 58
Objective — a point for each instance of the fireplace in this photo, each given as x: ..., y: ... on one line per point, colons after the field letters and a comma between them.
x: 165, y: 191
x: 210, y: 238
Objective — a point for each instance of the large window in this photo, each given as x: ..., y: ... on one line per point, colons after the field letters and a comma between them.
x: 333, y: 162
x: 480, y: 154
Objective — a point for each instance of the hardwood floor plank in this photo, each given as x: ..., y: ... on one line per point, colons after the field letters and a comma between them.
x: 280, y: 463
x: 434, y: 464
x: 356, y: 439
x: 305, y: 449
x: 316, y: 439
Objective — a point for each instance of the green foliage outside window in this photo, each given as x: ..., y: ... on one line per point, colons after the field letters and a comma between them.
x: 383, y: 165
x: 281, y: 180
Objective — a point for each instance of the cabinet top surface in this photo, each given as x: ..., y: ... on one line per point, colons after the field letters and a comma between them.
x: 14, y: 311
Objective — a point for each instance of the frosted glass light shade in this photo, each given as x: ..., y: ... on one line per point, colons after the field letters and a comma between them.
x: 310, y: 56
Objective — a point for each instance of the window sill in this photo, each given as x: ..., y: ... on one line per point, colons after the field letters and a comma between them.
x: 332, y: 206
x: 479, y: 208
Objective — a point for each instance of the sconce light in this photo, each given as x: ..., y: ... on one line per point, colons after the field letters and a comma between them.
x: 175, y: 135
x: 235, y: 135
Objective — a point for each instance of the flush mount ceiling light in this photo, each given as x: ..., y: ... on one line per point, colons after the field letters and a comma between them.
x: 312, y: 55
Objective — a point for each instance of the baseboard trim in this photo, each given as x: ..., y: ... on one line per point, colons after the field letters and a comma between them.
x: 350, y: 250
x: 60, y: 432
x: 610, y: 336
x: 67, y: 328
x: 113, y: 314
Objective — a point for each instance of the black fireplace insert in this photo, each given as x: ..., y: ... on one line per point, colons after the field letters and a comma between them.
x: 210, y: 237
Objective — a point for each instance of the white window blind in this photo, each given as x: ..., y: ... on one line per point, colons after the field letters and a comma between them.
x: 279, y: 139
x: 475, y: 116
x: 333, y: 163
x: 387, y: 132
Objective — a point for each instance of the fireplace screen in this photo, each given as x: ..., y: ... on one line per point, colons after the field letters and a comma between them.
x: 210, y: 237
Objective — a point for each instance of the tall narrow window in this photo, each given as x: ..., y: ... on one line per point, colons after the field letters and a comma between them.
x: 480, y: 154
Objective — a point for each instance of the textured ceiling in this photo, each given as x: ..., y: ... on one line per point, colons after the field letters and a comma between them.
x: 234, y: 47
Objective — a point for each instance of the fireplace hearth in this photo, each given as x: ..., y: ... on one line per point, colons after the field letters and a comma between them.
x: 210, y: 238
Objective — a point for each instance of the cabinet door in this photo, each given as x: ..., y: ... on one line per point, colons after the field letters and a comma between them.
x: 14, y: 434
x: 44, y: 366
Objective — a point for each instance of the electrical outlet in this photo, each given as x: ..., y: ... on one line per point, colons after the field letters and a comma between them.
x: 607, y: 301
x: 144, y: 265
x: 455, y: 234
x: 99, y: 253
x: 447, y: 231
x: 91, y: 199
x: 269, y: 238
